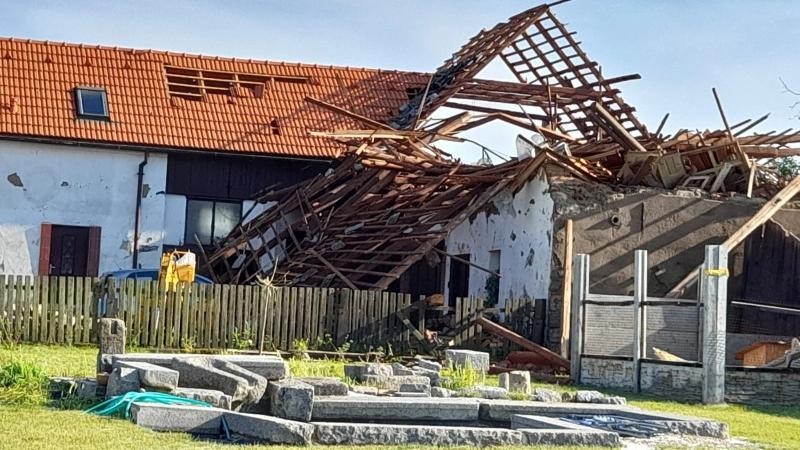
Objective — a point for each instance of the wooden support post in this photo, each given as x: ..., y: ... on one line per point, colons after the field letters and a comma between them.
x: 580, y: 290
x: 566, y: 291
x: 715, y: 299
x: 639, y: 317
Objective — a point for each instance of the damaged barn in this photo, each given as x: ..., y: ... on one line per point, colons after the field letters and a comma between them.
x: 398, y: 213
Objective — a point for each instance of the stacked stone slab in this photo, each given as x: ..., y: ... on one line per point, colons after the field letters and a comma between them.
x: 209, y: 422
x: 458, y: 358
x: 210, y: 396
x: 368, y: 372
x: 153, y: 377
x: 270, y: 367
x: 111, y: 340
x: 325, y: 386
x: 597, y: 397
x: 121, y: 381
x: 516, y: 381
x: 291, y: 399
x: 244, y: 386
x: 399, y: 369
x: 546, y: 395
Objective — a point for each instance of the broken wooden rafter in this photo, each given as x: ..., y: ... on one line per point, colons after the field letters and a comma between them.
x: 553, y: 359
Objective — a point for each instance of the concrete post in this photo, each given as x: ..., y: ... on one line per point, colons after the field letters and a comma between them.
x: 639, y: 317
x: 715, y: 301
x: 580, y: 290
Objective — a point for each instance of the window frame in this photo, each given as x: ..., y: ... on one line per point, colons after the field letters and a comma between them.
x: 189, y: 240
x: 79, y: 111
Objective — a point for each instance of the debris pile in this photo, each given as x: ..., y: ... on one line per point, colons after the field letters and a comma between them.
x: 385, y: 206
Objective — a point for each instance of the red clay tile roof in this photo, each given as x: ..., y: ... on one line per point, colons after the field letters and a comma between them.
x: 37, y: 82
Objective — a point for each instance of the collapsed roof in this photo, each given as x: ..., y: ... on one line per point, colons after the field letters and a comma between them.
x: 361, y: 225
x: 395, y: 196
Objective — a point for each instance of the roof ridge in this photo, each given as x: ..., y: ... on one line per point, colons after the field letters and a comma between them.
x: 202, y: 56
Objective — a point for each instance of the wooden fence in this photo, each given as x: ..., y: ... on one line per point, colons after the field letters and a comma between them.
x: 64, y: 310
x: 47, y: 309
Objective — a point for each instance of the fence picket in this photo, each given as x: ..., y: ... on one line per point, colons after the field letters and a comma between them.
x: 277, y: 317
x: 77, y: 328
x: 64, y: 310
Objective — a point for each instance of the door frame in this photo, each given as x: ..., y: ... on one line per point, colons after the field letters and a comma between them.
x: 92, y: 251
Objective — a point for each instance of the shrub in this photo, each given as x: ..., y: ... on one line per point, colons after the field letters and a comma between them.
x: 22, y: 383
x: 459, y: 378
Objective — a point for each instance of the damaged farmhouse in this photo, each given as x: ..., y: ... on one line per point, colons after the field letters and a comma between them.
x: 330, y: 220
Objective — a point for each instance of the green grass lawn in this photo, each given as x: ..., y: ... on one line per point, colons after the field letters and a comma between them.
x: 28, y: 421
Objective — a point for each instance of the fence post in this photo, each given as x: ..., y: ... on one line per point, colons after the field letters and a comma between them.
x: 715, y: 298
x: 639, y: 314
x: 341, y: 307
x: 580, y: 289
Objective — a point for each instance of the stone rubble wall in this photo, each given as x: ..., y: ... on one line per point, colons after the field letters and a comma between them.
x: 683, y: 382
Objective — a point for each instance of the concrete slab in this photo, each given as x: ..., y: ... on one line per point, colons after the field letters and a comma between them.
x: 541, y: 430
x: 210, y: 396
x: 365, y: 371
x: 208, y: 422
x: 291, y: 399
x: 270, y: 367
x: 411, y: 394
x: 382, y: 434
x: 395, y: 408
x: 326, y: 386
x: 272, y: 430
x: 121, y: 381
x: 244, y: 387
x: 152, y: 376
x: 504, y: 410
x: 460, y: 358
x: 178, y: 418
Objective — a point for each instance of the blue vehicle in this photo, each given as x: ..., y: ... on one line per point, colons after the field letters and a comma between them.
x: 146, y: 274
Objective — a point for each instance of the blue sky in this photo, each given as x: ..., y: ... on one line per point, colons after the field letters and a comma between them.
x: 680, y: 47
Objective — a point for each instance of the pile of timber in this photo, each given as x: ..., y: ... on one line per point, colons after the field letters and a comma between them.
x: 386, y: 205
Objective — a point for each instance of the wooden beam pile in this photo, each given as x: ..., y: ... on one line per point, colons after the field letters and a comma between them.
x: 562, y: 94
x: 362, y: 225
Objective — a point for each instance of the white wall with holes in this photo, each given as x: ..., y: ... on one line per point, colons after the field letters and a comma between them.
x: 515, y: 234
x: 78, y: 186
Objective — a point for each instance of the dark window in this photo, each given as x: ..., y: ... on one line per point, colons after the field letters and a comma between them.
x: 91, y: 103
x: 210, y: 220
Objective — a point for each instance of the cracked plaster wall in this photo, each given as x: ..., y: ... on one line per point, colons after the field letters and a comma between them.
x: 80, y: 186
x: 520, y: 226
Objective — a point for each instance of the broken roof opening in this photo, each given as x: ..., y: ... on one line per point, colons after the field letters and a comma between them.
x: 195, y: 84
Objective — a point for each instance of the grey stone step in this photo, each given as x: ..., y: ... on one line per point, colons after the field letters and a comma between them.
x: 208, y: 421
x: 178, y: 418
x: 382, y: 434
x: 270, y: 367
x: 395, y: 408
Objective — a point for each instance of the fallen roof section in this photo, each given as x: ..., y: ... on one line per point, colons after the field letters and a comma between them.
x: 364, y: 223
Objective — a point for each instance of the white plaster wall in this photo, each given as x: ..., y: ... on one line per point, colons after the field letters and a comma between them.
x: 70, y: 185
x: 521, y: 228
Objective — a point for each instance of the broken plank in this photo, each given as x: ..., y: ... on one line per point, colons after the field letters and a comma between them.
x: 501, y: 331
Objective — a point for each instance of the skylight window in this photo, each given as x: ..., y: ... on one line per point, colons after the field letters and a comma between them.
x: 91, y: 103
